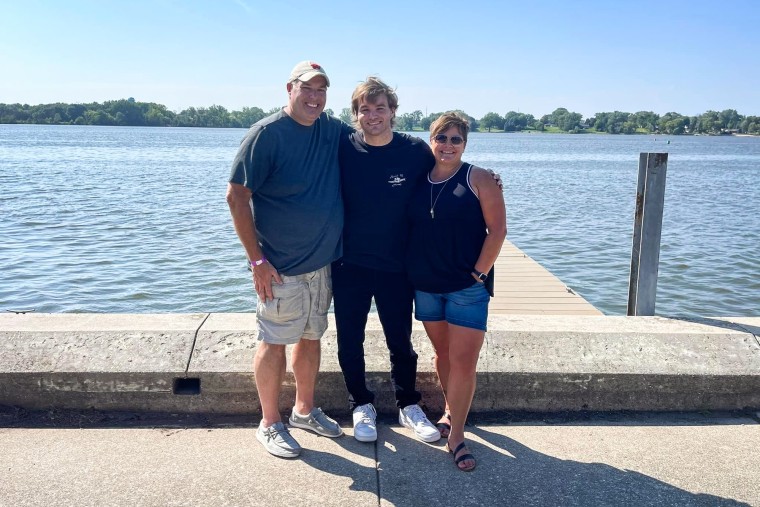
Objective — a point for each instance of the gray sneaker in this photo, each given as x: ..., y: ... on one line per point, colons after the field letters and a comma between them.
x: 278, y: 441
x: 316, y: 421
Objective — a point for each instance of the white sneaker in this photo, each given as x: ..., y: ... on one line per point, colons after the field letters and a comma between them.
x: 414, y: 418
x: 365, y: 429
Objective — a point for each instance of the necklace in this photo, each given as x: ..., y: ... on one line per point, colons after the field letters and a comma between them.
x: 432, y: 202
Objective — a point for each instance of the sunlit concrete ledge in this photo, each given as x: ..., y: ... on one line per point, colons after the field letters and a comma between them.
x: 201, y: 363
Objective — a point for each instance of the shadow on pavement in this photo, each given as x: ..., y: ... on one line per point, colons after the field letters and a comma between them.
x: 17, y: 417
x: 509, y: 473
x: 533, y: 478
x: 723, y: 324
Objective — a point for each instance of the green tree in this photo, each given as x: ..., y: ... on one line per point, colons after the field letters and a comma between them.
x: 491, y: 120
x: 74, y: 111
x: 645, y: 120
x: 131, y: 111
x: 215, y: 116
x: 565, y: 120
x: 749, y: 125
x: 416, y: 116
x: 427, y: 120
x: 158, y: 116
x: 346, y: 115
x: 514, y: 121
x: 673, y: 123
x: 613, y: 122
x: 730, y: 119
x: 628, y: 127
x: 709, y: 122
x: 97, y: 117
x: 405, y: 122
x: 248, y: 116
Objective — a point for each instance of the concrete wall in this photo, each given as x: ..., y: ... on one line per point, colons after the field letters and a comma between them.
x: 537, y: 363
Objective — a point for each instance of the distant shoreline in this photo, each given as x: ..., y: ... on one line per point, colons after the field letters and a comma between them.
x: 418, y: 131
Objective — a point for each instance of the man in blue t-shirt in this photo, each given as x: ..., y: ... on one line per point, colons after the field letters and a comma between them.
x: 379, y: 169
x: 284, y: 197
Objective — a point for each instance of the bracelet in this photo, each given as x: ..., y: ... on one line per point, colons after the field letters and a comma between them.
x: 258, y: 262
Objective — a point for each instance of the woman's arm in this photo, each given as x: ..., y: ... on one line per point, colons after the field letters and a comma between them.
x: 494, y: 214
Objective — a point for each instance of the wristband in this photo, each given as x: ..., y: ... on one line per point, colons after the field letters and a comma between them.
x: 259, y: 262
x: 480, y: 276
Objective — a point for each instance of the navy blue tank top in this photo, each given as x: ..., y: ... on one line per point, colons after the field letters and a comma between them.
x: 447, y: 233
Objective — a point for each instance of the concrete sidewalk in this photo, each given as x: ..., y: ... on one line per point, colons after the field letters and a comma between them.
x: 536, y: 363
x: 638, y: 459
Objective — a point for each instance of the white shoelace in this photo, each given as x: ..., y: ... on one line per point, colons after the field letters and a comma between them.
x: 416, y: 414
x: 366, y: 413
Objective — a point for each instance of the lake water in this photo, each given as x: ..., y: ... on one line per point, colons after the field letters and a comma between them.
x: 134, y: 220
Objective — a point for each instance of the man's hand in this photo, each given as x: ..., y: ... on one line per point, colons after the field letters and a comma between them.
x: 496, y: 178
x: 262, y: 280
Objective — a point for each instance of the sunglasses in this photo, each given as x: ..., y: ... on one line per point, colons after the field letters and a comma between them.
x: 443, y: 139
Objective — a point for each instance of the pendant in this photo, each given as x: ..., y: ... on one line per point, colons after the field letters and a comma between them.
x: 432, y: 213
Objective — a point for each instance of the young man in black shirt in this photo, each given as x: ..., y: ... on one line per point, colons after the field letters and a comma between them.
x: 379, y: 169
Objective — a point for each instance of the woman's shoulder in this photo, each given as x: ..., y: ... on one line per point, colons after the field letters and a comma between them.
x: 478, y: 174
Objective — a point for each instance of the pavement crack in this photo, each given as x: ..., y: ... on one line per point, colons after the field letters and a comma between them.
x: 195, y: 338
x: 170, y: 433
x: 377, y: 475
x: 748, y: 331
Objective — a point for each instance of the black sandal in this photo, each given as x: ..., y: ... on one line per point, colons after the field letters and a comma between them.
x: 444, y: 428
x: 461, y: 458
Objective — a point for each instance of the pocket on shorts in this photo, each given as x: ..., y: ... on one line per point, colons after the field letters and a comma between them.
x: 288, y: 303
x: 474, y: 294
x: 325, y: 292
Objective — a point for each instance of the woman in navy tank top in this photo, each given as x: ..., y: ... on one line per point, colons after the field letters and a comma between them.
x: 458, y: 224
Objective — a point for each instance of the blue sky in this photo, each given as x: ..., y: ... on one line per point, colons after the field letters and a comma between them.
x: 528, y: 56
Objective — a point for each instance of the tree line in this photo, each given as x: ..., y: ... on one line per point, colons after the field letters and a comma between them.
x: 129, y: 112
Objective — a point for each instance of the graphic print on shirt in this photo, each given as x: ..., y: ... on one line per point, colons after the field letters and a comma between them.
x: 396, y: 180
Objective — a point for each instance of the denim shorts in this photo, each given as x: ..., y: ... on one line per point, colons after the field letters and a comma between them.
x: 467, y: 307
x: 298, y: 310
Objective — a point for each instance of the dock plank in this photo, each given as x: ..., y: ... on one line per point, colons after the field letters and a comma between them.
x: 523, y: 286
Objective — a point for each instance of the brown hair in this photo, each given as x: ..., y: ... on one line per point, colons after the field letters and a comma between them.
x: 448, y: 120
x: 369, y: 91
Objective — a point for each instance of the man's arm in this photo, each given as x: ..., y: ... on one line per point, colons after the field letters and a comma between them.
x: 239, y: 199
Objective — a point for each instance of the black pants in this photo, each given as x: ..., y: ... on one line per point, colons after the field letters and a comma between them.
x: 353, y: 290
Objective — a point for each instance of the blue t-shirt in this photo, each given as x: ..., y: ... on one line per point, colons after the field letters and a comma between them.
x: 293, y: 173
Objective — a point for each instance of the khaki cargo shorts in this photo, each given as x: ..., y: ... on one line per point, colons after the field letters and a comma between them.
x: 299, y: 308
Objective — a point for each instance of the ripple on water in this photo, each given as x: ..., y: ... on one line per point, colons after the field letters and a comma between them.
x: 134, y: 220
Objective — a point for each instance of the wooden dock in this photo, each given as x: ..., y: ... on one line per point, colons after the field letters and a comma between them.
x: 523, y: 286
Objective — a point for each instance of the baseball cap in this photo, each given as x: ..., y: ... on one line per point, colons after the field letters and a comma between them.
x: 307, y: 70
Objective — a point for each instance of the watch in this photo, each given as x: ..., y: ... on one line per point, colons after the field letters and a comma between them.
x: 481, y: 276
